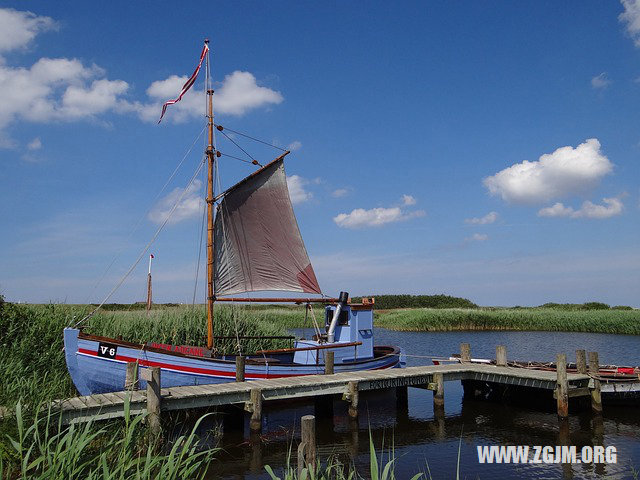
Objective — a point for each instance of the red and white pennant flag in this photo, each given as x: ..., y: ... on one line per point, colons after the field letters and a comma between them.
x: 187, y: 84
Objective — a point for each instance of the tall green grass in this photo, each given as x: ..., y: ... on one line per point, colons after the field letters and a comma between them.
x: 41, y: 448
x: 32, y: 364
x: 541, y: 319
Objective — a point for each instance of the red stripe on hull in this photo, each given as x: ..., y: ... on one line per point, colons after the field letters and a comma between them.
x: 204, y: 371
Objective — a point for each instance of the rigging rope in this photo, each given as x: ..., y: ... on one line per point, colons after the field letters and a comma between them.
x: 146, y: 248
x: 250, y: 137
x: 254, y: 161
x: 200, y: 242
x: 135, y: 228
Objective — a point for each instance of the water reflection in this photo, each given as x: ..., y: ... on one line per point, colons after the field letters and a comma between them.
x: 421, y: 435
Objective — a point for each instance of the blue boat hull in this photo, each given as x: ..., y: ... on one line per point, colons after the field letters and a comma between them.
x: 98, y: 364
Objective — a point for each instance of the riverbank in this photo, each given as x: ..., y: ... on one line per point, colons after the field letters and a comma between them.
x: 624, y: 322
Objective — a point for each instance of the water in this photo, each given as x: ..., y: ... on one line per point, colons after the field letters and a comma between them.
x: 422, y: 437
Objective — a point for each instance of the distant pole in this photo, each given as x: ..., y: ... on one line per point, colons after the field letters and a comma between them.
x: 149, y: 285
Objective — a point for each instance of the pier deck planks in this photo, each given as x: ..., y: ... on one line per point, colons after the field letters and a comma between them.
x: 111, y: 405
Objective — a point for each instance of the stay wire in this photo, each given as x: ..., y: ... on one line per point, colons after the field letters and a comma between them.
x: 251, y: 138
x: 236, y: 144
x: 146, y: 248
x: 135, y: 228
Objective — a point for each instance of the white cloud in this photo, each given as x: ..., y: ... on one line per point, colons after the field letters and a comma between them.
x: 295, y: 145
x: 631, y: 17
x: 408, y: 200
x: 556, y: 210
x: 374, y: 217
x: 56, y: 89
x: 487, y: 219
x: 18, y: 29
x: 611, y: 208
x: 566, y: 171
x: 35, y: 144
x: 190, y: 206
x: 297, y: 190
x: 340, y: 192
x: 600, y: 81
x: 478, y: 237
x: 238, y: 94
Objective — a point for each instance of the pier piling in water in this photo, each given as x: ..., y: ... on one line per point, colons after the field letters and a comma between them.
x: 438, y: 393
x: 352, y: 397
x: 562, y: 389
x: 255, y: 407
x: 594, y: 372
x: 307, y: 448
x: 154, y: 399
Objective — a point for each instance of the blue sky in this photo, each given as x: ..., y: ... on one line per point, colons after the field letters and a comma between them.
x: 488, y: 150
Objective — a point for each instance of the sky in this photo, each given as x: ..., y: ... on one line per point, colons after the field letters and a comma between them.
x: 488, y: 150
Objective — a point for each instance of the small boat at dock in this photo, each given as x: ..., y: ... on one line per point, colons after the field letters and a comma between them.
x: 619, y: 385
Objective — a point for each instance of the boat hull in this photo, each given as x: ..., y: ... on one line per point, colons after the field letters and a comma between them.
x: 98, y: 365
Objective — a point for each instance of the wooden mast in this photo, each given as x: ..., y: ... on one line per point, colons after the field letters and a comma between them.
x: 210, y: 202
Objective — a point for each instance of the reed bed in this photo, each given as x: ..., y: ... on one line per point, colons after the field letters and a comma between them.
x: 530, y: 319
x: 32, y: 364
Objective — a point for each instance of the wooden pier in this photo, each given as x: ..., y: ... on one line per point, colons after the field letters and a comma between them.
x: 252, y: 394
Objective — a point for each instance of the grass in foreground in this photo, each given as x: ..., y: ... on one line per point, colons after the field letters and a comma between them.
x: 41, y: 448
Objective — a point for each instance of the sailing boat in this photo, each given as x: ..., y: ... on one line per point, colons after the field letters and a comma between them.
x: 253, y: 244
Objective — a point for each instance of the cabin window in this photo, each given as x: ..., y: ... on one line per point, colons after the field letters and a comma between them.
x: 343, y: 318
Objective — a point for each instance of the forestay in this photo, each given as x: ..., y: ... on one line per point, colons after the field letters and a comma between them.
x: 258, y: 245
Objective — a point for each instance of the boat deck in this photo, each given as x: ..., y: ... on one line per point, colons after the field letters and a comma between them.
x: 111, y: 405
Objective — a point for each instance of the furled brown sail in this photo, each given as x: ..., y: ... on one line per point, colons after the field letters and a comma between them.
x: 257, y: 241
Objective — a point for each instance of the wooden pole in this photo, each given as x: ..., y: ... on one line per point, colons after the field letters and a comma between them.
x: 210, y: 201
x: 562, y: 388
x: 131, y: 377
x: 308, y: 444
x: 149, y: 285
x: 328, y: 362
x: 154, y: 400
x: 501, y: 356
x: 255, y: 424
x: 581, y: 361
x: 239, y: 368
x: 148, y: 293
x: 438, y: 393
x: 594, y: 371
x: 465, y: 352
x: 352, y: 394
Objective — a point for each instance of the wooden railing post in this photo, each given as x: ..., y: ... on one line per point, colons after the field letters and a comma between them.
x: 328, y: 362
x: 154, y: 399
x: 501, y: 356
x: 131, y: 376
x: 465, y: 352
x: 581, y: 361
x: 307, y: 448
x: 562, y: 388
x: 255, y: 425
x: 239, y: 368
x: 594, y: 371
